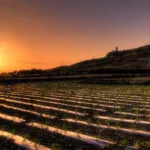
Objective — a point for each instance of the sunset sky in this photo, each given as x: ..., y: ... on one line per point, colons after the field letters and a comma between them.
x: 49, y: 33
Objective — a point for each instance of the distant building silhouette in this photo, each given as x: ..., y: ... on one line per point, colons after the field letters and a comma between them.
x: 116, y: 49
x: 114, y: 52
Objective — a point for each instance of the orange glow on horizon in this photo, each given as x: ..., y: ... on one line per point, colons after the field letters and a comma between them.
x: 44, y: 35
x: 17, y: 54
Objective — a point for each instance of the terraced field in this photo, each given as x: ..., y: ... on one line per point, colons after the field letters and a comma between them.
x: 61, y: 116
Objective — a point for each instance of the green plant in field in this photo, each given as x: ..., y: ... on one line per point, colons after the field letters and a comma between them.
x: 117, y: 123
x: 123, y: 143
x: 13, y: 131
x: 137, y: 114
x: 64, y: 127
x: 107, y: 122
x: 144, y: 145
x: 56, y: 146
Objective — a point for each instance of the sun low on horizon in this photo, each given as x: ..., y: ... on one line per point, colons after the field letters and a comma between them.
x: 44, y: 34
x: 3, y: 60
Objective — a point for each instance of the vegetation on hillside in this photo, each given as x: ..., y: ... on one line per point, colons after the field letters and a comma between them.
x: 134, y: 61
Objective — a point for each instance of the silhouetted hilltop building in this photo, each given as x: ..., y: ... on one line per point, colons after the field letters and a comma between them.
x: 113, y: 52
x: 116, y: 50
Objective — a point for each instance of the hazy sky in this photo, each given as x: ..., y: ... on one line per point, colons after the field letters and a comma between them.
x: 49, y: 33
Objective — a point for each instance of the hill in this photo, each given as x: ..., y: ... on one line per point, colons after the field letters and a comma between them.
x: 113, y: 68
x: 138, y: 58
x: 134, y: 60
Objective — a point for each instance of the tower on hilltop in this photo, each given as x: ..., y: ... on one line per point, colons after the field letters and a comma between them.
x: 116, y: 50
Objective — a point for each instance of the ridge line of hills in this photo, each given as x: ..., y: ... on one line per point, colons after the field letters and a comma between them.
x: 125, y: 64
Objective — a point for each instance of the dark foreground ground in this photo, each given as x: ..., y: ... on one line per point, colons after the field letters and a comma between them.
x: 116, y: 114
x: 131, y: 79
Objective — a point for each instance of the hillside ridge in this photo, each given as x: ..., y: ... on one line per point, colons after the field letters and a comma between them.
x: 135, y: 60
x: 120, y: 58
